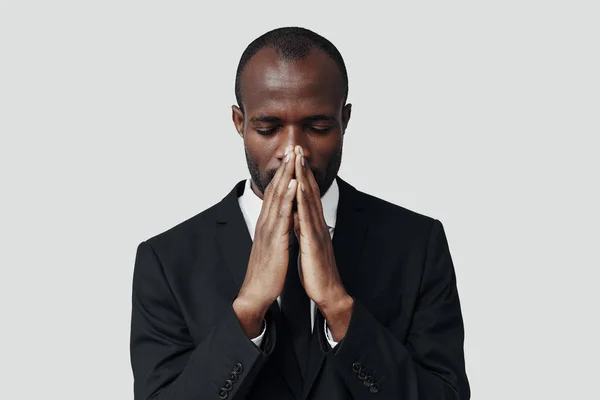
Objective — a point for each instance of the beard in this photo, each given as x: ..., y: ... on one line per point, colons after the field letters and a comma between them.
x: 323, y: 177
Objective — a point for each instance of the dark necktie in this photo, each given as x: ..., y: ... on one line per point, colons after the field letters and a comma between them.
x: 295, y: 307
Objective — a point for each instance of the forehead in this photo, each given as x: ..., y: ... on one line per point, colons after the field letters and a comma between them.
x: 272, y: 85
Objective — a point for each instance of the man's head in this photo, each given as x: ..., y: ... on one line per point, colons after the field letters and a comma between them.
x: 291, y: 87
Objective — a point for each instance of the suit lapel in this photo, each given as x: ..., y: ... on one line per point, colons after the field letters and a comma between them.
x: 349, y: 234
x: 233, y: 236
x: 236, y: 244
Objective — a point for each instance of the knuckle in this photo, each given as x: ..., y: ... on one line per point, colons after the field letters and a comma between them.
x: 275, y: 194
x: 264, y: 233
x: 281, y: 213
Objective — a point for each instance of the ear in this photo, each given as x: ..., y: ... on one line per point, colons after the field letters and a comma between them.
x: 346, y: 111
x: 237, y: 116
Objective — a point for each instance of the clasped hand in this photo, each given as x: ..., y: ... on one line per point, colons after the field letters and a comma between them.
x: 267, y: 266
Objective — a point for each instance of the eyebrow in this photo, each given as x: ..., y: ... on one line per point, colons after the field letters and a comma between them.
x: 312, y: 118
x: 264, y: 118
x: 320, y: 117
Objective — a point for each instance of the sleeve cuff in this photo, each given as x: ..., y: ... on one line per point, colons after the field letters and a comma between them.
x: 329, y: 336
x: 258, y: 340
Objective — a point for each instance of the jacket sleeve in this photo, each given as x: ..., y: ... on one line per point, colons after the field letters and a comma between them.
x: 430, y: 365
x: 167, y: 364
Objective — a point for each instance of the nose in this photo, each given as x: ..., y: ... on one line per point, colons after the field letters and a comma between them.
x: 293, y: 136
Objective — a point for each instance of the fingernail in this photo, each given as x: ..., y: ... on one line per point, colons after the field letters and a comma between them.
x: 302, y: 186
x: 302, y: 160
x: 290, y: 184
x: 287, y: 157
x: 287, y: 149
x: 301, y: 151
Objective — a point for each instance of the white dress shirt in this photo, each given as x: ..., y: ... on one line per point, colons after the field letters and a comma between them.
x: 251, y: 204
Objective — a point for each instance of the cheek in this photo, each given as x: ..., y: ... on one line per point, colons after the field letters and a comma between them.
x: 259, y: 151
x: 324, y: 151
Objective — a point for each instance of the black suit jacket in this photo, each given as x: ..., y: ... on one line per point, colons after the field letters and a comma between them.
x: 404, y: 341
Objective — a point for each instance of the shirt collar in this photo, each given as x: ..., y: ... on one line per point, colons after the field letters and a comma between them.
x: 251, y: 204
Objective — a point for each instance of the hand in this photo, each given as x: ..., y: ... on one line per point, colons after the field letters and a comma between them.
x: 267, y: 266
x: 319, y: 273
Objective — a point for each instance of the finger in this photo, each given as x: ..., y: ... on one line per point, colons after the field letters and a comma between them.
x: 308, y: 216
x: 280, y: 195
x: 301, y: 165
x: 307, y: 181
x: 267, y: 194
x: 285, y: 215
x: 296, y: 222
x: 314, y: 195
x: 278, y: 185
x: 305, y: 221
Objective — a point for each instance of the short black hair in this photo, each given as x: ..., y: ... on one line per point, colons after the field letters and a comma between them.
x: 290, y: 43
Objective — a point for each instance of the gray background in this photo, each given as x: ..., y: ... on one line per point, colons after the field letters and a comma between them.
x: 116, y: 125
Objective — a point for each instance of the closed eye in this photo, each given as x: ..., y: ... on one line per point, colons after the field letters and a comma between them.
x: 319, y: 130
x: 265, y: 131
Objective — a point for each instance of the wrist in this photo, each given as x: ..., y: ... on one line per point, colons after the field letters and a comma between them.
x: 250, y: 308
x: 337, y: 306
x: 337, y: 313
x: 253, y: 300
x: 251, y: 316
x: 336, y: 300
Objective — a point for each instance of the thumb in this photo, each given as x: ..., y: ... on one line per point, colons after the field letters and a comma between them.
x: 297, y: 224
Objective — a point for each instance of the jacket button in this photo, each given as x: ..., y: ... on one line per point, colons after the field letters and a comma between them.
x: 233, y: 377
x: 362, y: 374
x: 228, y: 385
x: 356, y: 366
x: 223, y: 393
x: 374, y: 388
x: 238, y: 368
x: 368, y: 380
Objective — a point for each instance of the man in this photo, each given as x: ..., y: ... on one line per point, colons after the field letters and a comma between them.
x: 296, y: 285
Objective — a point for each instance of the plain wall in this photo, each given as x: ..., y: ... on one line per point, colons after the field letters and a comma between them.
x: 115, y: 122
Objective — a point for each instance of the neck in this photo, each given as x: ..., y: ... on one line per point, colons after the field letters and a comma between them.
x: 255, y: 189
